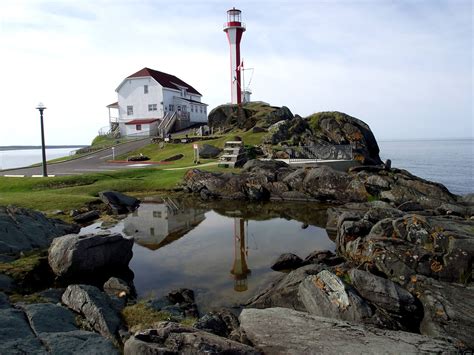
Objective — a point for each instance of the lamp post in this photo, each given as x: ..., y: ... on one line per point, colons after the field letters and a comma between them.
x: 41, y: 108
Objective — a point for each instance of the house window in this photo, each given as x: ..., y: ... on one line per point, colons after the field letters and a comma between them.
x: 183, y: 92
x: 129, y: 110
x: 204, y: 109
x: 171, y: 107
x: 192, y: 108
x: 200, y: 108
x: 145, y: 89
x: 152, y: 231
x: 152, y: 107
x: 138, y: 127
x: 157, y: 214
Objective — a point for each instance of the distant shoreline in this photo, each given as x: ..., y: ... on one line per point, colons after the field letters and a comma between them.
x: 25, y: 147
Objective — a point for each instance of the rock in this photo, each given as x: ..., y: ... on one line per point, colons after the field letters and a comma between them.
x: 410, y: 206
x: 451, y: 209
x: 158, y: 304
x: 383, y: 293
x: 293, y: 131
x: 140, y: 157
x: 231, y: 116
x: 327, y: 296
x: 286, y: 331
x: 264, y: 166
x: 181, y: 295
x: 173, y: 338
x: 208, y: 151
x: 441, y: 247
x: 119, y: 203
x: 75, y: 255
x: 86, y: 217
x: 283, y: 291
x: 174, y: 157
x: 117, y: 287
x: 325, y: 257
x: 222, y: 323
x: 6, y: 283
x: 340, y: 128
x: 4, y: 303
x: 257, y: 129
x: 280, y: 114
x: 287, y: 261
x: 24, y: 229
x: 95, y: 306
x: 16, y: 336
x: 56, y: 328
x: 51, y: 295
x: 448, y: 309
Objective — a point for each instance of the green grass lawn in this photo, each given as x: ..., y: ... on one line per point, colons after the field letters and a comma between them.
x: 68, y: 192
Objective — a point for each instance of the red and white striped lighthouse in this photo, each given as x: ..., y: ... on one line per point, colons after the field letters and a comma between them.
x: 234, y: 28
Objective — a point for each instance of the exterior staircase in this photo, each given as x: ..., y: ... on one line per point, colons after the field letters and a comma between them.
x: 233, y: 156
x: 167, y: 123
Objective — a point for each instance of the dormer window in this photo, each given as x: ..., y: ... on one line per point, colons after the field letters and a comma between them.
x: 145, y: 89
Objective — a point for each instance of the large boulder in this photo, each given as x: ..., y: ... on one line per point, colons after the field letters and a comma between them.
x: 328, y: 296
x: 340, y: 128
x: 291, y: 132
x: 287, y: 261
x: 208, y: 151
x: 283, y: 291
x: 76, y: 255
x: 231, y: 116
x: 56, y: 328
x: 118, y: 202
x: 174, y: 338
x: 286, y: 331
x: 23, y: 229
x: 96, y: 307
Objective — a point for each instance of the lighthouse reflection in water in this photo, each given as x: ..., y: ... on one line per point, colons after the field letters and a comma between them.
x: 224, y: 257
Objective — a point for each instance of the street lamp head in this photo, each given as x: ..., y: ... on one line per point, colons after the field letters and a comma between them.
x: 41, y: 107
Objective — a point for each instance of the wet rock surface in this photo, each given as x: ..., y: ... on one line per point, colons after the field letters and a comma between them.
x: 23, y: 229
x: 282, y: 331
x: 173, y: 338
x: 77, y: 255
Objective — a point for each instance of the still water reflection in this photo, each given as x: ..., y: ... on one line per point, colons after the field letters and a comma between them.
x: 224, y: 257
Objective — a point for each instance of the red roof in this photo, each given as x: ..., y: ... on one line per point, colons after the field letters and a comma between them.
x: 142, y: 121
x: 166, y: 80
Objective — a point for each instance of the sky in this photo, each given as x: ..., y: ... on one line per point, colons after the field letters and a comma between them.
x: 403, y: 67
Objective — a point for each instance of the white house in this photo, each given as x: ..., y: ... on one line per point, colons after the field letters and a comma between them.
x: 151, y: 102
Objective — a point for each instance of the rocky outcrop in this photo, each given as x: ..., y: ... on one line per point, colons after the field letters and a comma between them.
x: 96, y: 307
x: 173, y: 338
x: 447, y: 307
x: 263, y: 180
x: 76, y: 255
x: 400, y: 246
x: 179, y: 304
x: 119, y: 203
x: 282, y: 331
x: 23, y: 229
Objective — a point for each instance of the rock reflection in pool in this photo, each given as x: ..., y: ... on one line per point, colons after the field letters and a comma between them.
x: 224, y: 259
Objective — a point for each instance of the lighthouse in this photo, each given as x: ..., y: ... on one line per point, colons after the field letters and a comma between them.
x: 234, y: 28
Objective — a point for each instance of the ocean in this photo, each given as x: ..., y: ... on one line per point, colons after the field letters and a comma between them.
x: 24, y: 157
x: 449, y: 162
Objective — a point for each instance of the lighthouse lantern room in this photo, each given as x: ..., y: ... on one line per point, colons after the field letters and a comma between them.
x: 234, y: 28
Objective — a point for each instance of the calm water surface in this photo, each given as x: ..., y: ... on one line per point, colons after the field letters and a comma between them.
x: 24, y: 157
x: 224, y: 259
x: 450, y: 162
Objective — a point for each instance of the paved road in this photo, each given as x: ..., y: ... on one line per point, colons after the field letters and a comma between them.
x: 95, y: 162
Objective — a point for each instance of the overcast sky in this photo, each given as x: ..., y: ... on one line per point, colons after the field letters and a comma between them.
x: 404, y: 67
